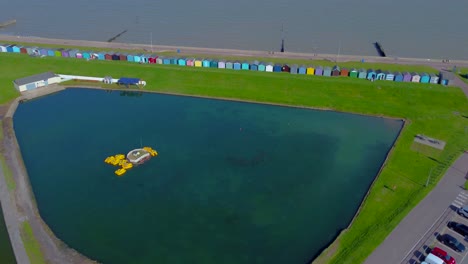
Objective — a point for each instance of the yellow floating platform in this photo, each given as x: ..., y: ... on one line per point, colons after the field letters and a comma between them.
x: 127, y: 166
x: 120, y: 172
x: 119, y: 156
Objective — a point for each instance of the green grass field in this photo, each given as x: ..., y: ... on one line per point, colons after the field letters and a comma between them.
x: 434, y: 110
x: 32, y: 246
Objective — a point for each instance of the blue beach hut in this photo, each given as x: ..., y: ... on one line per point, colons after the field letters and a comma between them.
x: 115, y: 56
x: 102, y: 56
x: 277, y: 68
x: 43, y: 52
x: 182, y: 62
x: 86, y: 55
x: 166, y: 61
x: 71, y: 53
x: 229, y: 65
x: 425, y: 78
x: 261, y: 66
x: 129, y: 57
x: 254, y: 66
x: 214, y: 64
x: 293, y: 69
x: 206, y: 63
x: 16, y: 49
x: 371, y: 74
x: 302, y: 69
x: 9, y: 48
x: 236, y: 65
x: 173, y: 61
x: 245, y: 66
x: 136, y: 58
x: 398, y: 77
x: 50, y: 52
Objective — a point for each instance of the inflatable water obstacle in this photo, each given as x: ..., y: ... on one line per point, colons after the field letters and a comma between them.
x: 134, y: 157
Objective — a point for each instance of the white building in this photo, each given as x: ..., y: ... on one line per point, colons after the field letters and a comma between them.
x: 35, y: 81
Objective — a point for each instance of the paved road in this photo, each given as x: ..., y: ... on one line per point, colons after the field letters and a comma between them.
x: 416, y: 224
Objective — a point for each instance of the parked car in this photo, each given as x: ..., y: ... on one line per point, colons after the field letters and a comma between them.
x: 463, y: 211
x: 443, y: 255
x: 452, y: 243
x: 459, y: 228
x: 432, y: 259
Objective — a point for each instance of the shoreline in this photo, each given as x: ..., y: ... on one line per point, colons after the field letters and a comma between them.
x: 184, y: 50
x: 22, y: 206
x: 25, y: 206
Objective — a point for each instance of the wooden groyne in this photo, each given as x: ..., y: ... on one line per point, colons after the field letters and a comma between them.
x: 8, y: 23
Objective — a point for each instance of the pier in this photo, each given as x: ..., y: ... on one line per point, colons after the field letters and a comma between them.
x: 8, y: 23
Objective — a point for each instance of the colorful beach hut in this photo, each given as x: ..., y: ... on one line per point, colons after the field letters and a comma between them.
x: 245, y: 66
x: 277, y: 68
x: 327, y: 71
x: 344, y: 72
x: 362, y: 74
x: 335, y: 71
x: 50, y: 52
x: 86, y: 55
x: 3, y: 48
x: 425, y: 78
x: 66, y: 53
x: 415, y: 77
x: 79, y: 55
x: 354, y: 73
x: 123, y: 57
x: 446, y: 78
x: 371, y: 74
x: 24, y: 50
x: 319, y: 71
x: 221, y: 64
x: 16, y: 49
x: 206, y: 63
x: 72, y: 53
x: 198, y: 63
x: 294, y: 68
x: 398, y: 77
x: 9, y: 48
x: 269, y: 67
x: 407, y: 77
x: 229, y: 65
x: 389, y: 76
x: 115, y: 56
x: 190, y: 62
x: 166, y: 61
x: 302, y: 69
x: 214, y: 64
x: 310, y: 70
x: 261, y: 67
x: 236, y: 65
x: 182, y: 62
x: 58, y: 52
x: 108, y: 55
x: 130, y: 57
x: 380, y: 75
x: 433, y: 78
x: 285, y: 68
x: 254, y: 66
x: 160, y: 60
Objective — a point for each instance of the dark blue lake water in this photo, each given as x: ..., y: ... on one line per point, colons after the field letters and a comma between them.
x: 233, y: 182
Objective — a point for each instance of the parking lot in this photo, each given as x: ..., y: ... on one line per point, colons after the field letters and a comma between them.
x: 430, y: 239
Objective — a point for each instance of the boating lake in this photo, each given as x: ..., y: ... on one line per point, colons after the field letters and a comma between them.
x: 418, y: 28
x: 233, y: 182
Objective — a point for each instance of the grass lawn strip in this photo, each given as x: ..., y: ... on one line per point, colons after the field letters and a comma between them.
x: 32, y: 246
x: 434, y: 110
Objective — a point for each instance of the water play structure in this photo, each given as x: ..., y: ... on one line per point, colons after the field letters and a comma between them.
x: 133, y: 158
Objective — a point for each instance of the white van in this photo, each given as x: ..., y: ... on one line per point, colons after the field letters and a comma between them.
x: 433, y: 259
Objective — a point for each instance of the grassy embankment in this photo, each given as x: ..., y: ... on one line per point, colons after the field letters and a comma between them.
x: 432, y: 110
x: 10, y: 181
x: 32, y: 246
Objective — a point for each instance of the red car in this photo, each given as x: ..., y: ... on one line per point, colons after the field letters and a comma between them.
x: 443, y: 255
